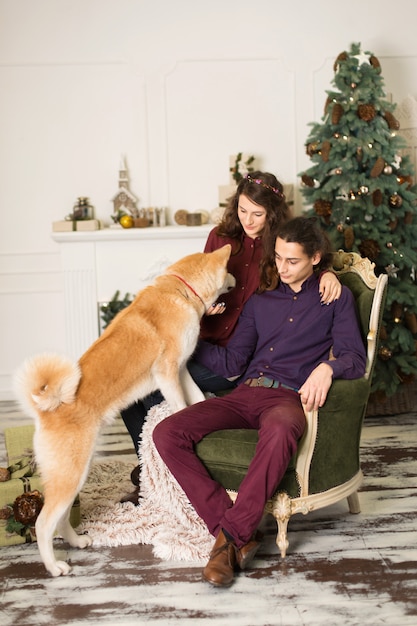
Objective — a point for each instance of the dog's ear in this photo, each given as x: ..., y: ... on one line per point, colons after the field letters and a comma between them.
x: 224, y: 252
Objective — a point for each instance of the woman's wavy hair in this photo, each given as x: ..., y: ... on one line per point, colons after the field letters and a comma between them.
x: 261, y: 188
x: 305, y: 231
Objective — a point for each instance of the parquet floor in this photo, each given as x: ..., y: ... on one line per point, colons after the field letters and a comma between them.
x: 340, y: 569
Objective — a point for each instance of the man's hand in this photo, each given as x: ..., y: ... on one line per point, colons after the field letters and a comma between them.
x: 313, y: 392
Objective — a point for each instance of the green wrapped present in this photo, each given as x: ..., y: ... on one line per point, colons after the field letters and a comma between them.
x: 21, y: 496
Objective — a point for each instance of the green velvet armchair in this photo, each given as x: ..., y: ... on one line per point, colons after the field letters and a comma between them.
x: 326, y: 467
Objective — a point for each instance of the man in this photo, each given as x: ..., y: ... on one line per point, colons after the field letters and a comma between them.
x: 282, y: 344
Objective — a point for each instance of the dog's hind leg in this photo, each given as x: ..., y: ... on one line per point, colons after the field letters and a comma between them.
x: 46, y: 524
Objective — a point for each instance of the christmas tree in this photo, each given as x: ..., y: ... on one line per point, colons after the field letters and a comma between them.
x: 361, y: 187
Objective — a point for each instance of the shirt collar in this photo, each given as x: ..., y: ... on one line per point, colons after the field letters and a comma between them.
x: 309, y: 283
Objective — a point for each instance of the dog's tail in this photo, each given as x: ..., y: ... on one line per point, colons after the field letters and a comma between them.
x: 45, y: 381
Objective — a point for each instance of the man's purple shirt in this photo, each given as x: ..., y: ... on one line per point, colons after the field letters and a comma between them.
x: 284, y: 335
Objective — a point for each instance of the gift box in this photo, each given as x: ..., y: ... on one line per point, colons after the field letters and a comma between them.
x: 63, y: 226
x: 22, y: 480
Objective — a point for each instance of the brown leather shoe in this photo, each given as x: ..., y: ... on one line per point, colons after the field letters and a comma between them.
x: 219, y: 570
x: 245, y: 554
x: 135, y: 476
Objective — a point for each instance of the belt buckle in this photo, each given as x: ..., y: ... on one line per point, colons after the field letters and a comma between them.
x: 262, y: 382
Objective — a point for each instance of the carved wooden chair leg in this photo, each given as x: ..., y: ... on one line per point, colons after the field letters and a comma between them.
x: 280, y: 508
x: 354, y: 504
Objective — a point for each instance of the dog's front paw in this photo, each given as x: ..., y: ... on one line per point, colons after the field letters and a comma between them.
x: 59, y: 568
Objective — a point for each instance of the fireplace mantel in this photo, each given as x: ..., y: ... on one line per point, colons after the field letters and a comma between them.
x: 98, y: 263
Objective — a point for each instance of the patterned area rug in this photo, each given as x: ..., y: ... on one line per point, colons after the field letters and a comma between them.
x: 164, y: 517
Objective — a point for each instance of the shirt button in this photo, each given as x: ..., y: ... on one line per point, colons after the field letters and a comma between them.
x: 295, y: 298
x: 271, y: 349
x: 291, y: 319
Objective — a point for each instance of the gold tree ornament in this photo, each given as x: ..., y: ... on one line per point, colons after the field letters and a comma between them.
x: 395, y: 200
x: 312, y: 148
x: 385, y: 353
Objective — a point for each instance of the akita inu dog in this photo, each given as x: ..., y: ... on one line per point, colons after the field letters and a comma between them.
x: 146, y: 347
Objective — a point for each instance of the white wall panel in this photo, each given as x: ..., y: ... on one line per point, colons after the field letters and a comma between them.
x: 176, y: 87
x: 218, y: 108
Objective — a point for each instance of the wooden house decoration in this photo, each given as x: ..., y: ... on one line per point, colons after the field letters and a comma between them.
x: 124, y: 202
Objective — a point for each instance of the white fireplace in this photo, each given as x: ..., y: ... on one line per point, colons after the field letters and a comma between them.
x: 96, y: 264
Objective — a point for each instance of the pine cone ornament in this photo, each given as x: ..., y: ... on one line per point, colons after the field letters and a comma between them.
x: 378, y: 167
x: 337, y: 112
x: 392, y: 122
x: 323, y: 208
x: 366, y: 112
x: 411, y: 321
x: 383, y: 335
x: 377, y: 197
x: 408, y: 217
x: 27, y: 507
x: 406, y: 379
x: 375, y: 63
x: 369, y: 248
x: 307, y: 180
x: 325, y: 150
x: 397, y: 311
x: 341, y: 57
x: 349, y: 236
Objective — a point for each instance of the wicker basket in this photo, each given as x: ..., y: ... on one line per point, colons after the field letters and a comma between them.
x: 403, y: 401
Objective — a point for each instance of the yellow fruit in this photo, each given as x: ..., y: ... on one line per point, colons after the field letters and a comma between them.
x: 126, y: 221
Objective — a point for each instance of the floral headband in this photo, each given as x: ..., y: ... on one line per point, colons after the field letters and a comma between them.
x: 258, y: 181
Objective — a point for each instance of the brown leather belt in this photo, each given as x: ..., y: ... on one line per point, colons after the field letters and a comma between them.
x: 270, y: 383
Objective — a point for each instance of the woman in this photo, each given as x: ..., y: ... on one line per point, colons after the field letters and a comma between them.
x: 255, y: 211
